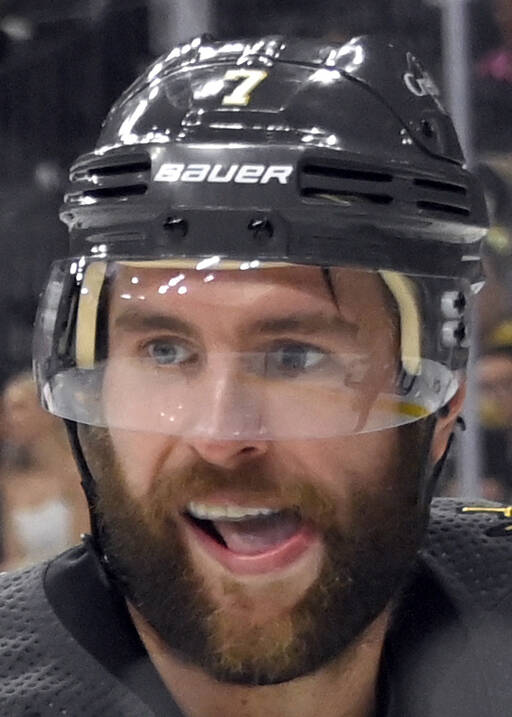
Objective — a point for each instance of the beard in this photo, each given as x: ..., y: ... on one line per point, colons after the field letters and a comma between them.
x: 366, y: 560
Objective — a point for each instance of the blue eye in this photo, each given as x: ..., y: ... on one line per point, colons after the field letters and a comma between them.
x: 169, y: 353
x: 293, y: 359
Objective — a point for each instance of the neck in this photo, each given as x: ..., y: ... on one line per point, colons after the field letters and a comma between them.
x: 344, y: 688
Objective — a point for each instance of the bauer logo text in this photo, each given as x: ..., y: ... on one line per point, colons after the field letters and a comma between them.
x: 224, y: 174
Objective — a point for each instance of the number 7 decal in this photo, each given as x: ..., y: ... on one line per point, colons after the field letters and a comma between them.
x: 250, y: 79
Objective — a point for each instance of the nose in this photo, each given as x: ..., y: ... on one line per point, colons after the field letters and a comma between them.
x: 228, y: 431
x: 228, y: 454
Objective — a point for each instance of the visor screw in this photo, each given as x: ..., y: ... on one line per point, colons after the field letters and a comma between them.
x: 453, y: 304
x: 454, y: 334
x: 460, y: 333
x: 460, y: 302
x: 261, y: 228
x: 177, y: 225
x: 427, y: 129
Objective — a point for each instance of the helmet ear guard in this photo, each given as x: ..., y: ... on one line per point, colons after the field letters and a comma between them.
x: 87, y: 315
x: 404, y: 294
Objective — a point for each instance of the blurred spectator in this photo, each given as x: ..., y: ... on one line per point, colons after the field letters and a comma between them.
x: 43, y: 509
x: 493, y: 87
x: 417, y: 24
x: 495, y: 300
x: 494, y: 375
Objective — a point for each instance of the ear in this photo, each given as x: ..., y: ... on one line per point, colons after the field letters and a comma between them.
x: 446, y: 422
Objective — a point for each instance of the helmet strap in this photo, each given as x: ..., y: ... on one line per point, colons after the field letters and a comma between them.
x: 88, y: 485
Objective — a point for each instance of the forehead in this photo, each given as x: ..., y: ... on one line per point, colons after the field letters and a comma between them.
x: 352, y: 291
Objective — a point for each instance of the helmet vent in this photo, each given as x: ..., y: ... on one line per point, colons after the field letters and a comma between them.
x: 327, y: 181
x: 116, y: 192
x: 445, y: 208
x: 347, y: 195
x: 117, y: 177
x: 441, y: 186
x: 364, y: 175
x: 349, y: 183
x: 112, y: 170
x: 443, y: 197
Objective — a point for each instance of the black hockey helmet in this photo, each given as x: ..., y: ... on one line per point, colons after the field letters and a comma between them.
x: 261, y: 155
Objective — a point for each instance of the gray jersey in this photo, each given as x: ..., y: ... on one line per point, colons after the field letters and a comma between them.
x: 44, y: 671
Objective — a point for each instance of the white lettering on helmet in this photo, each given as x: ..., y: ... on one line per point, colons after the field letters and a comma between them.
x: 249, y: 173
x: 217, y: 176
x: 421, y: 86
x: 281, y: 172
x: 195, y: 172
x: 217, y: 173
x: 169, y: 172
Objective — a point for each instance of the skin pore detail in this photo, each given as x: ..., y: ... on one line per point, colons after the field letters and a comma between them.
x: 243, y: 643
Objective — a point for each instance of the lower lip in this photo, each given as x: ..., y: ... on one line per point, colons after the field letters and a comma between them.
x: 278, y: 558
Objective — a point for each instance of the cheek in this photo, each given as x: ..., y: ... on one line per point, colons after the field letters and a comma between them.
x: 140, y: 456
x: 340, y: 464
x: 371, y: 454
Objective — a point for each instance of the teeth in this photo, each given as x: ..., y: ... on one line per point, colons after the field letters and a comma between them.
x: 203, y: 511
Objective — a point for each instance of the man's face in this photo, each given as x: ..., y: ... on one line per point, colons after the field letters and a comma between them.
x: 257, y: 559
x: 25, y: 420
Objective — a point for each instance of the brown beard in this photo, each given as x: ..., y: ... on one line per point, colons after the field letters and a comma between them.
x: 366, y: 561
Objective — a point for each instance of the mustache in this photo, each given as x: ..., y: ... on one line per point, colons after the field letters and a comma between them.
x: 200, y: 480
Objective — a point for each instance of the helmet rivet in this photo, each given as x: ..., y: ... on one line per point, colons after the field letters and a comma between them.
x: 454, y: 334
x: 262, y: 228
x: 177, y: 225
x: 453, y: 304
x: 460, y: 333
x: 460, y: 302
x: 428, y: 129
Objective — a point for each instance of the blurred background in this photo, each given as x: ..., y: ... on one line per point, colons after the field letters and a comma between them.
x: 63, y: 63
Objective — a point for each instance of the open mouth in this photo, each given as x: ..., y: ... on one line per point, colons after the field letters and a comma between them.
x: 251, y: 540
x: 248, y: 534
x: 208, y: 527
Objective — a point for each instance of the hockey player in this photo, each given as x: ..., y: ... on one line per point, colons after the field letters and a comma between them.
x: 258, y: 344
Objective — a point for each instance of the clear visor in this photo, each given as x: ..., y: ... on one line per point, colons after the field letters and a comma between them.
x: 206, y: 348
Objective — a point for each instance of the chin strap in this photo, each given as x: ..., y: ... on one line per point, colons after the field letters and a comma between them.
x: 430, y: 482
x: 88, y: 485
x: 95, y: 540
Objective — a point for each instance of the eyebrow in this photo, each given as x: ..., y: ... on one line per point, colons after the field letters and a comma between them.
x: 307, y: 323
x: 137, y: 321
